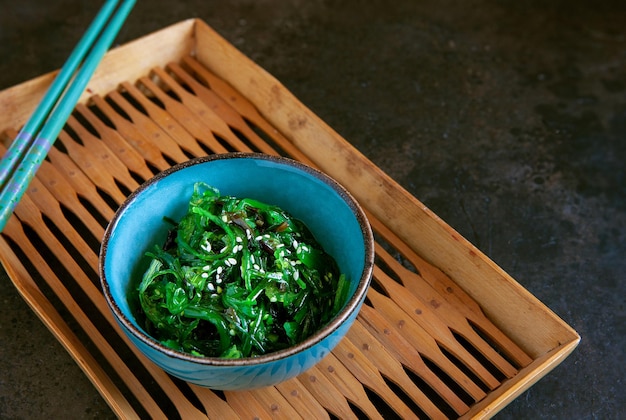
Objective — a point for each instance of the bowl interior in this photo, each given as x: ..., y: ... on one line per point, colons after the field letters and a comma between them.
x: 331, y: 215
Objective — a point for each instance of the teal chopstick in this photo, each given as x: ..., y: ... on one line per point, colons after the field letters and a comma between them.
x: 14, y: 189
x: 21, y: 143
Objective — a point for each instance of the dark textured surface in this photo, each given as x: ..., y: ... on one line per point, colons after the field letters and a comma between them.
x: 507, y: 119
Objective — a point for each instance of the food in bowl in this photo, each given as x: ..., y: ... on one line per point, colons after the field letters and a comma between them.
x: 237, y: 277
x: 327, y: 209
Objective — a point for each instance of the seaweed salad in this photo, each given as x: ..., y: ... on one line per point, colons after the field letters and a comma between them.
x: 237, y: 278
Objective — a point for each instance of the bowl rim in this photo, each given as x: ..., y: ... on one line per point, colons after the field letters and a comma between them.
x: 348, y: 310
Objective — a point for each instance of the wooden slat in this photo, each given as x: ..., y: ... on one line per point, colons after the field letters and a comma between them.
x: 196, y: 126
x: 156, y: 121
x: 408, y: 356
x: 153, y: 149
x: 427, y: 346
x: 302, y: 400
x: 49, y: 315
x: 132, y: 158
x: 326, y: 393
x: 365, y: 372
x: 457, y: 299
x: 242, y: 105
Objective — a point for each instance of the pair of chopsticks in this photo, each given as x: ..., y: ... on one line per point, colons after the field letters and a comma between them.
x: 30, y: 147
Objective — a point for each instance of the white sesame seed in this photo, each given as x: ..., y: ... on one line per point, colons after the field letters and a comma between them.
x: 227, y: 262
x: 256, y: 267
x: 205, y: 275
x: 218, y: 280
x: 232, y: 261
x: 210, y: 286
x: 207, y: 267
x: 220, y: 269
x: 296, y: 275
x: 224, y: 218
x: 238, y: 239
x: 258, y: 238
x: 223, y: 249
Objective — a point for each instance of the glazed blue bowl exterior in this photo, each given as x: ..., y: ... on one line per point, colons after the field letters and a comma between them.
x: 328, y: 210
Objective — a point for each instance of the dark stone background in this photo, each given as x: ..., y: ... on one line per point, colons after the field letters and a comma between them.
x: 506, y: 118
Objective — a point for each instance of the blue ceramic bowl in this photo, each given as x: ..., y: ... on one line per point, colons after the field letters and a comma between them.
x: 328, y: 210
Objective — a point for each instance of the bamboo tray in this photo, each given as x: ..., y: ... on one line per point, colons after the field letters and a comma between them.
x: 444, y: 333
